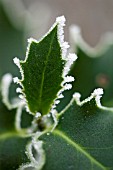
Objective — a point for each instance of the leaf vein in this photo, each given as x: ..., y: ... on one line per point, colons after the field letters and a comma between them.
x: 43, y: 74
x: 79, y: 148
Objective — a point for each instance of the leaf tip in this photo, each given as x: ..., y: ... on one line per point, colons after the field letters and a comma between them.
x: 61, y: 20
x: 30, y: 40
x: 76, y: 95
x: 98, y: 92
x: 19, y: 90
x: 17, y: 61
x: 72, y: 56
x: 16, y: 80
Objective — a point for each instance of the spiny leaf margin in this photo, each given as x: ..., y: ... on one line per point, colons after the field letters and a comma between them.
x: 35, y: 161
x: 68, y: 60
x: 61, y: 132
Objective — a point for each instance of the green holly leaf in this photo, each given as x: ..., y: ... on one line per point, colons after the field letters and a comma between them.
x: 16, y: 145
x: 44, y: 70
x: 83, y: 138
x: 94, y: 67
x: 12, y: 143
x: 17, y: 149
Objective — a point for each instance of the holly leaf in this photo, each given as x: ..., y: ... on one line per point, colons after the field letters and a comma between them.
x: 94, y: 67
x: 83, y: 138
x: 17, y: 149
x: 44, y: 70
x: 12, y: 143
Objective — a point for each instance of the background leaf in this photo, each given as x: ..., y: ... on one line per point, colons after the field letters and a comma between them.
x: 12, y: 144
x: 83, y: 138
x: 94, y: 67
x: 13, y: 131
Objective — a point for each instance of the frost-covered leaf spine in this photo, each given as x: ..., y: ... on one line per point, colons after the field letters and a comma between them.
x: 68, y: 59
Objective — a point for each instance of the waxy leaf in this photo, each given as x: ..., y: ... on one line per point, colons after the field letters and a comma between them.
x: 16, y: 145
x: 94, y: 67
x: 83, y: 138
x: 44, y: 70
x: 12, y: 143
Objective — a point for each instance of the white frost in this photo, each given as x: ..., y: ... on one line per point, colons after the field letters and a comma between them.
x: 16, y: 80
x: 64, y: 45
x: 21, y: 96
x: 60, y: 96
x: 19, y: 90
x: 70, y: 59
x: 77, y: 95
x: 36, y: 161
x: 57, y: 101
x: 97, y: 94
x: 67, y: 86
x: 67, y: 59
x: 17, y: 61
x: 38, y: 114
x: 69, y: 79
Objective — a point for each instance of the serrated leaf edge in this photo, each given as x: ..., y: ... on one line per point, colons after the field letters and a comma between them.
x: 60, y: 21
x: 16, y: 104
x: 35, y: 163
x: 97, y: 95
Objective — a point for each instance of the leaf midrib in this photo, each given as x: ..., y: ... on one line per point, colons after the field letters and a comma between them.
x: 79, y: 148
x: 43, y: 73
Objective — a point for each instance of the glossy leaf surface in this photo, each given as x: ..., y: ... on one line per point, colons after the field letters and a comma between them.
x: 83, y: 138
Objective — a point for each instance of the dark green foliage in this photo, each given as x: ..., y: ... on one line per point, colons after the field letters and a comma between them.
x: 82, y: 140
x: 93, y: 72
x: 43, y: 70
x: 12, y: 143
